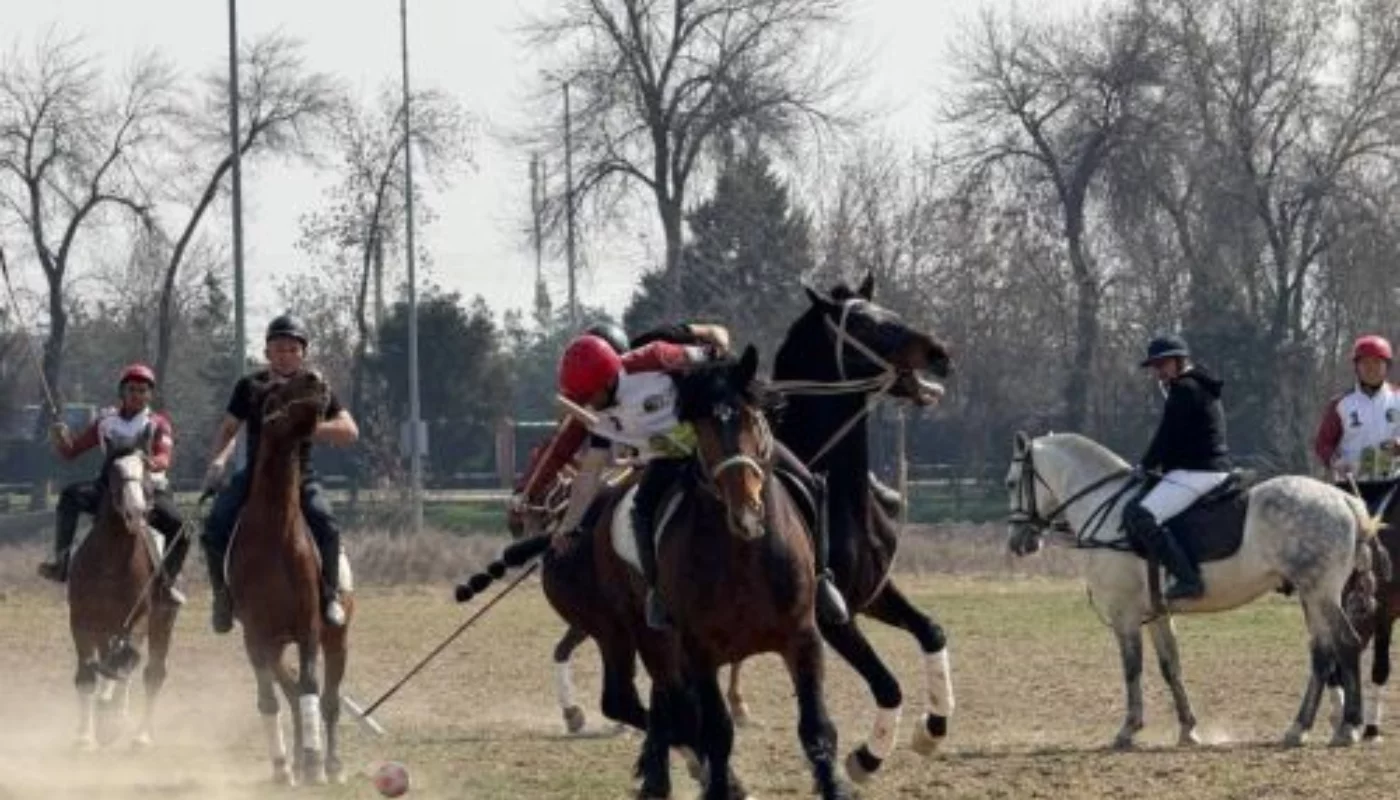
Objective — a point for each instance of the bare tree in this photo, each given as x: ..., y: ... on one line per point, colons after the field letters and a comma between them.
x: 657, y: 83
x: 1051, y: 105
x: 364, y: 215
x: 283, y: 104
x: 71, y: 149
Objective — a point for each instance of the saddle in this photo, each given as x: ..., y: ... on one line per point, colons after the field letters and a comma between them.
x: 1213, y: 527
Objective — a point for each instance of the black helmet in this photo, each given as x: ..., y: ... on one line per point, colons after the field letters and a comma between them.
x: 613, y: 334
x: 287, y: 327
x: 1165, y: 347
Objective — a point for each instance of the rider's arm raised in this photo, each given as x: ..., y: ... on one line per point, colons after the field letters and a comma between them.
x: 339, y: 430
x: 69, y: 449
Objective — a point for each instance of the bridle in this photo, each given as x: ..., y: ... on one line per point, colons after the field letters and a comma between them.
x: 729, y: 440
x: 1026, y: 513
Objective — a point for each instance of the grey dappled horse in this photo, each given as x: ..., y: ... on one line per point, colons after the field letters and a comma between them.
x: 1296, y: 529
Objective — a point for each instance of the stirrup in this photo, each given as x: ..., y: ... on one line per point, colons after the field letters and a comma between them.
x: 1181, y: 590
x: 831, y: 606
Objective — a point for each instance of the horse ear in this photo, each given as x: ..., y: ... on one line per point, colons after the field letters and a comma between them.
x: 748, y: 364
x: 867, y: 286
x: 1023, y: 442
x: 817, y: 298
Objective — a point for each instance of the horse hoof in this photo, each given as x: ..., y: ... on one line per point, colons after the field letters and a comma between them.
x: 1123, y: 742
x: 1372, y: 733
x: 573, y: 719
x: 283, y: 777
x: 1295, y: 737
x: 1188, y: 738
x: 1345, y: 736
x: 861, y: 764
x: 928, y: 737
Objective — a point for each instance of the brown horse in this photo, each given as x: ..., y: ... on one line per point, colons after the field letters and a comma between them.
x: 736, y: 567
x: 274, y: 579
x: 112, y: 600
x: 521, y: 522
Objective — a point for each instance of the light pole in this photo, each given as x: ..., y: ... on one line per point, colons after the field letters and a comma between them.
x: 414, y: 401
x: 240, y: 331
x: 569, y: 210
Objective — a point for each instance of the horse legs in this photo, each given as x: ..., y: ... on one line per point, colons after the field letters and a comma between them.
x: 313, y: 769
x: 1380, y: 670
x: 272, y: 724
x: 1169, y: 660
x: 162, y: 624
x: 337, y: 655
x: 717, y: 738
x: 891, y: 607
x: 738, y: 707
x: 620, y: 702
x: 849, y: 641
x: 1334, y: 646
x: 814, y: 727
x: 85, y: 681
x: 563, y: 678
x: 1129, y: 634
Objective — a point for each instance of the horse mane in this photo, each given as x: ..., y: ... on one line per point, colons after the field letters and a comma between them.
x: 700, y: 387
x: 1084, y: 447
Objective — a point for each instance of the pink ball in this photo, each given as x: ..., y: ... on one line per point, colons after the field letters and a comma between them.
x: 391, y: 779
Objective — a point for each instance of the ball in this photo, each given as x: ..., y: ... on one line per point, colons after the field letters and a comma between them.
x: 391, y: 779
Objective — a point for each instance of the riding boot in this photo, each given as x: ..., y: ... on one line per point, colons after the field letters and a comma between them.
x: 330, y: 584
x: 1187, y: 579
x: 222, y: 617
x: 831, y: 606
x: 890, y: 500
x: 64, y: 532
x: 176, y: 549
x: 643, y: 530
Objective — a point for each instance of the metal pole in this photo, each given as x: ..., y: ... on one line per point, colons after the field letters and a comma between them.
x: 414, y: 401
x: 569, y: 209
x: 239, y: 328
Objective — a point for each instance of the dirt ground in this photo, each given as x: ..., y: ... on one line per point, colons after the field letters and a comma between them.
x: 1036, y: 675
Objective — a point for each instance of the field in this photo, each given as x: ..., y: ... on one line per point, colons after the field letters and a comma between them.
x: 1036, y: 675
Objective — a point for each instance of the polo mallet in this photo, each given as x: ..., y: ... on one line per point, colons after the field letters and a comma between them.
x: 365, y: 714
x: 120, y: 656
x: 29, y: 343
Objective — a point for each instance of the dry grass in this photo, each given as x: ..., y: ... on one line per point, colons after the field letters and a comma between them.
x: 1037, y: 677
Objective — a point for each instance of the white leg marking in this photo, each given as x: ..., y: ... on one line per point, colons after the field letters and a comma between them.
x: 1375, y: 706
x: 938, y: 679
x: 564, y: 684
x: 272, y: 730
x: 884, y: 732
x: 311, y: 722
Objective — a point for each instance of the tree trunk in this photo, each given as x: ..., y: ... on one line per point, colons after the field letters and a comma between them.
x: 671, y: 225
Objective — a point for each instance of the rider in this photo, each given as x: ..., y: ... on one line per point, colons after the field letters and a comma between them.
x: 1189, y: 451
x: 131, y: 424
x: 636, y: 396
x: 285, y: 349
x: 1359, y: 435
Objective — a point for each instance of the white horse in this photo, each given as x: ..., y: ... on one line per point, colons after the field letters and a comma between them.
x: 1297, y: 529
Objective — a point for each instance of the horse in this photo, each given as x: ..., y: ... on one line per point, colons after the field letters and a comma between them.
x: 1293, y: 529
x: 274, y: 579
x: 837, y: 359
x: 521, y: 520
x: 112, y: 600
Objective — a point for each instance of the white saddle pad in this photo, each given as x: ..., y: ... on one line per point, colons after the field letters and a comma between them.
x: 624, y: 539
x: 347, y: 576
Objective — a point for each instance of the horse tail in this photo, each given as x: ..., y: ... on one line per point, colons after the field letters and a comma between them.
x: 514, y: 556
x: 1368, y: 525
x: 1371, y: 567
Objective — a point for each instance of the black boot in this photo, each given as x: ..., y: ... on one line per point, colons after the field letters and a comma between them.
x: 831, y: 606
x: 222, y: 616
x: 65, y: 529
x: 1187, y: 579
x: 889, y: 499
x: 177, y: 547
x: 657, y: 618
x: 332, y: 611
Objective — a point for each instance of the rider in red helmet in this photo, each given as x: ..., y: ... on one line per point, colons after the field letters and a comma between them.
x: 130, y: 424
x: 1359, y: 435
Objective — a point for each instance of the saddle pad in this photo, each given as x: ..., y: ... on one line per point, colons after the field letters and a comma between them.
x: 624, y: 539
x: 1212, y: 529
x: 154, y: 539
x: 347, y: 576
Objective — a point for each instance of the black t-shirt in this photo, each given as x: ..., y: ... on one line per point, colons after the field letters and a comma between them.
x: 241, y: 407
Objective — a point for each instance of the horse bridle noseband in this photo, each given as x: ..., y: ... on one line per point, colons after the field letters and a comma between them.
x: 1027, y: 515
x: 729, y: 439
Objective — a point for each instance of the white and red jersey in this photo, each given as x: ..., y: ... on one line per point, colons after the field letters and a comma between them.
x: 643, y: 409
x: 147, y: 429
x: 1354, y: 427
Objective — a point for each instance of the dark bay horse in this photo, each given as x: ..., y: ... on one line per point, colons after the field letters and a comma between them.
x: 110, y: 592
x: 274, y: 579
x: 737, y: 568
x: 521, y: 522
x: 837, y: 359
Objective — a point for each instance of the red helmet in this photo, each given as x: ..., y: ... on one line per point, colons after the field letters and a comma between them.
x: 588, y: 366
x: 1372, y: 346
x: 138, y: 372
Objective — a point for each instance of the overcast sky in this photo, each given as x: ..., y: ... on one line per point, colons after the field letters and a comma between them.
x: 470, y: 49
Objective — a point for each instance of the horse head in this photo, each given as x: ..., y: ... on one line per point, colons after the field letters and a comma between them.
x: 127, y: 487
x: 845, y: 336
x: 1029, y: 493
x: 725, y: 404
x: 291, y: 408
